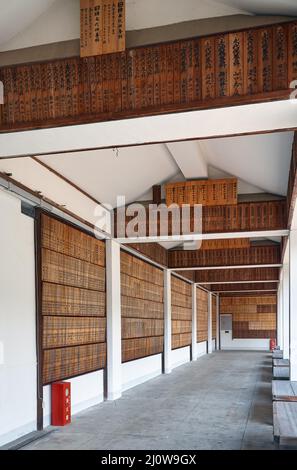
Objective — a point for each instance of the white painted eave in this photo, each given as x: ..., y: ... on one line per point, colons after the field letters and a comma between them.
x: 202, y: 124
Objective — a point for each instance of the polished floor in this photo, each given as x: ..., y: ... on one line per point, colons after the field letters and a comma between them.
x: 222, y: 401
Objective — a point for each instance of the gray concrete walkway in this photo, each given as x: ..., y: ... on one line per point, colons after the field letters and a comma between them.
x: 222, y: 401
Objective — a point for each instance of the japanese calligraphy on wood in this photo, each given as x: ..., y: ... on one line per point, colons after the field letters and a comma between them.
x: 102, y: 27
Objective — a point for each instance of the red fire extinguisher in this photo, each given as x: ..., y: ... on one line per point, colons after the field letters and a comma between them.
x: 61, y: 403
x: 272, y: 344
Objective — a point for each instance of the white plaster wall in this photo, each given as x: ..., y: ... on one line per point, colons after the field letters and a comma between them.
x: 213, y: 344
x: 253, y: 344
x: 137, y: 372
x: 86, y: 391
x: 180, y: 356
x: 18, y: 400
x: 201, y: 348
x: 60, y: 22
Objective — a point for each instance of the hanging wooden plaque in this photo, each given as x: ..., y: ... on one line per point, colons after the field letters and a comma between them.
x: 102, y: 27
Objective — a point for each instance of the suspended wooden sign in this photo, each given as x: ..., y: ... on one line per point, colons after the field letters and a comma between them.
x: 102, y: 27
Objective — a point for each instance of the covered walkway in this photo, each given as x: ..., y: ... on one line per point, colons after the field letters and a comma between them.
x: 221, y: 401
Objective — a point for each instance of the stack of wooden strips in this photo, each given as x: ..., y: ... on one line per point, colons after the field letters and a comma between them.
x: 73, y: 314
x: 269, y: 254
x: 253, y: 316
x: 225, y: 244
x: 142, y: 306
x: 245, y: 216
x: 205, y: 192
x: 181, y: 313
x: 228, y: 275
x: 153, y: 251
x: 202, y: 315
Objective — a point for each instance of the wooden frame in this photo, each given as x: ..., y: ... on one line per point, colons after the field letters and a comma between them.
x: 75, y: 343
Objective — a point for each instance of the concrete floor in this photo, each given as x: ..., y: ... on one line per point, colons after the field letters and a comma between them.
x: 222, y: 401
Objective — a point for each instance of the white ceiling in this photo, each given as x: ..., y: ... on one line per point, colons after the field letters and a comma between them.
x: 143, y: 14
x: 17, y: 15
x: 261, y: 162
x: 264, y: 7
x: 106, y: 174
x: 34, y: 22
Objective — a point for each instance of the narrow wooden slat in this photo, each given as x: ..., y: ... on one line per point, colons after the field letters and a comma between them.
x: 138, y: 348
x: 141, y: 328
x: 65, y: 363
x: 68, y: 331
x: 64, y: 300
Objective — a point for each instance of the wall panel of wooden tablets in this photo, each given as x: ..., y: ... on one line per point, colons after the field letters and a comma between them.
x: 181, y: 313
x: 207, y: 192
x: 269, y: 254
x: 142, y: 304
x: 253, y: 316
x: 73, y: 314
x: 225, y: 244
x: 256, y: 287
x: 202, y: 315
x: 153, y: 251
x: 244, y: 216
x: 234, y: 275
x: 214, y: 316
x: 234, y: 68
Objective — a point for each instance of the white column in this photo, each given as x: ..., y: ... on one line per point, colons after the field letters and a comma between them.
x: 218, y: 323
x: 280, y: 315
x: 286, y: 311
x: 194, y: 323
x: 167, y: 322
x: 293, y: 305
x: 113, y: 305
x: 209, y: 323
